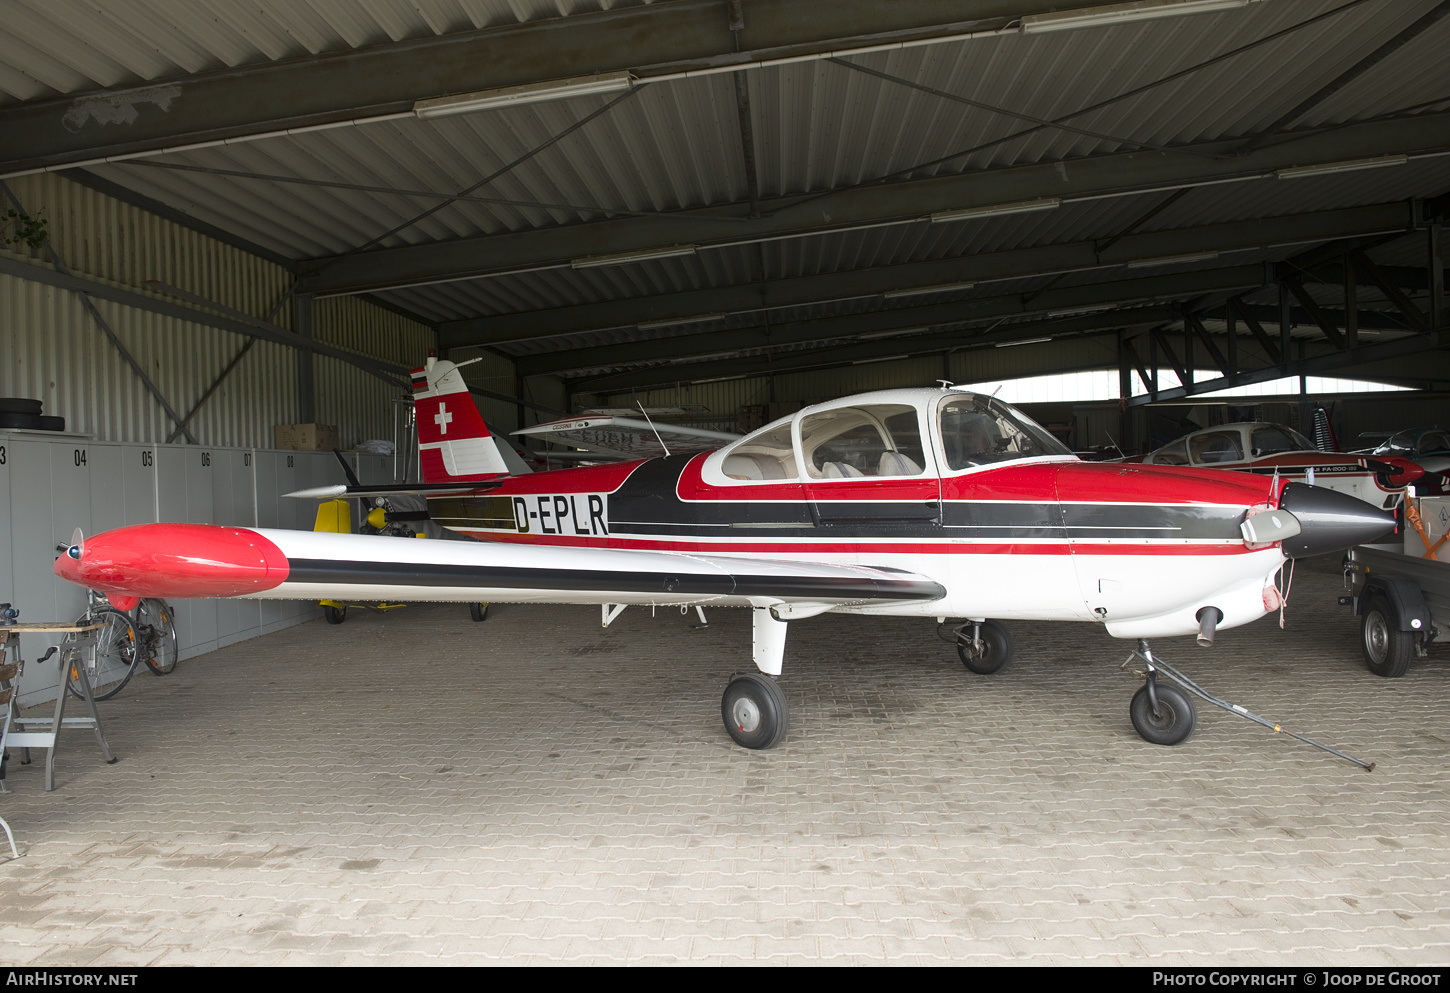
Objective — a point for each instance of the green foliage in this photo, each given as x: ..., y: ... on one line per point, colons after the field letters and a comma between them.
x: 28, y: 230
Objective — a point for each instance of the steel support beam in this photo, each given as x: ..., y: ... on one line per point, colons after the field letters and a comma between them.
x: 1145, y: 290
x: 383, y: 81
x: 845, y: 355
x: 1331, y: 361
x: 389, y: 372
x: 1386, y: 286
x: 1349, y: 75
x: 870, y: 205
x: 1081, y: 256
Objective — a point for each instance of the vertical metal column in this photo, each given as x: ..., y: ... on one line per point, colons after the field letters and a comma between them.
x: 1285, y: 325
x: 1437, y: 278
x: 306, y: 391
x: 1351, y: 306
x: 1231, y: 324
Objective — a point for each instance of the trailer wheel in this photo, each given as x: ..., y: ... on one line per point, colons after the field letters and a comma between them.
x: 1387, y: 649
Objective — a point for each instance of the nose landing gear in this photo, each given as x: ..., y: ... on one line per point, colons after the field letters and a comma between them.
x: 1164, y: 715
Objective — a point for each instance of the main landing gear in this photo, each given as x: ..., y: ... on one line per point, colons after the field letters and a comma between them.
x: 985, y: 647
x: 754, y: 711
x: 753, y: 707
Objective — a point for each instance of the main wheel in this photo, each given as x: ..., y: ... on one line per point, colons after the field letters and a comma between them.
x: 114, y: 659
x: 1171, y: 725
x: 1387, y: 649
x: 754, y: 711
x: 157, y: 634
x: 991, y: 654
x: 478, y: 611
x: 334, y: 615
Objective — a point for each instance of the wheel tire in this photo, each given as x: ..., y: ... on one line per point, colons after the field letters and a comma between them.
x: 478, y: 611
x: 161, y: 653
x: 1387, y: 649
x: 20, y: 405
x: 334, y: 615
x: 115, y: 658
x: 754, y: 710
x: 1175, y: 723
x: 995, y: 653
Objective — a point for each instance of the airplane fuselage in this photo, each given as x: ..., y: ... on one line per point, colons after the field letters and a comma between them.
x: 1139, y: 548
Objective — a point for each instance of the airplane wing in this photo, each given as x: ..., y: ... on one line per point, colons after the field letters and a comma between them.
x: 612, y: 436
x: 203, y: 560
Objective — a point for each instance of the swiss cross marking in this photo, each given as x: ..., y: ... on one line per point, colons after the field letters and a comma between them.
x: 442, y: 419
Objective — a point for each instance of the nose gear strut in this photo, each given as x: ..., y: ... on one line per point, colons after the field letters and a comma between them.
x: 1164, y: 715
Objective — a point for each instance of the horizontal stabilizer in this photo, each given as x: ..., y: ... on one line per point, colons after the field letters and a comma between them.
x: 336, y: 490
x: 610, y: 436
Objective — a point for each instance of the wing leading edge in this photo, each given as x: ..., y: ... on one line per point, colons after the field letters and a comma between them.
x: 163, y: 560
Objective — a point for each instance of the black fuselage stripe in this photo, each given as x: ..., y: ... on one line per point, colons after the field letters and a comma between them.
x: 328, y: 572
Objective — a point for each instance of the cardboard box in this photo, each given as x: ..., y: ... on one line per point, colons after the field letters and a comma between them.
x: 305, y: 437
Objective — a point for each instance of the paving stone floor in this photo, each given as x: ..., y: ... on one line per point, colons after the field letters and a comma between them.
x: 416, y: 788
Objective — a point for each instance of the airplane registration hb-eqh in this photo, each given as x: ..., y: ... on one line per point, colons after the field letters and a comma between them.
x: 937, y: 503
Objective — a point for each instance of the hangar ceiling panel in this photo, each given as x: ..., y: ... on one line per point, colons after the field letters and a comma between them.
x: 796, y: 189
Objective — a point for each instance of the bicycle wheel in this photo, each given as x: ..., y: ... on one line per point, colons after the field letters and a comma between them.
x: 156, y: 632
x: 114, y: 659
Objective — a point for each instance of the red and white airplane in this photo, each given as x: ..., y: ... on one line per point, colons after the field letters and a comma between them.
x: 932, y: 503
x: 1273, y: 449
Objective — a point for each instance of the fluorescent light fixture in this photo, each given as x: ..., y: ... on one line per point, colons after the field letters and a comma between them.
x: 921, y: 291
x: 722, y: 379
x: 675, y: 321
x: 513, y: 96
x: 624, y: 258
x: 1028, y: 341
x: 889, y: 334
x: 884, y: 358
x: 1172, y: 259
x: 996, y: 210
x: 1092, y: 308
x: 1121, y: 13
x: 1348, y: 165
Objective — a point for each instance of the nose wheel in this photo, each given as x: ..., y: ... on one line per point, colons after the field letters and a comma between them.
x: 754, y: 710
x: 1161, y: 714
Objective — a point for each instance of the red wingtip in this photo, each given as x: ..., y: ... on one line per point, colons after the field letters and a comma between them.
x: 175, y: 560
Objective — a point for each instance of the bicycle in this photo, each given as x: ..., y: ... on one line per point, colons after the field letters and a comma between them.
x: 121, y: 642
x: 109, y: 667
x: 156, y: 634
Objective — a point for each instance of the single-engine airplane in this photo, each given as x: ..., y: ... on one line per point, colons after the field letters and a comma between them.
x: 910, y: 502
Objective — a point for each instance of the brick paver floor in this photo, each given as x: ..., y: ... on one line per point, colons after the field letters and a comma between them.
x: 417, y: 788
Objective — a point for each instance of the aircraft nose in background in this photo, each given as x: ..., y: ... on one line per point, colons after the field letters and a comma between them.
x: 176, y: 560
x: 1330, y: 521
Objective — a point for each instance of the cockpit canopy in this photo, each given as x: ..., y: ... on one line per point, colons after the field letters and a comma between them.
x: 889, y: 434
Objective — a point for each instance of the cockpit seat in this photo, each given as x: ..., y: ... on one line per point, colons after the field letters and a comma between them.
x: 896, y: 464
x: 840, y: 470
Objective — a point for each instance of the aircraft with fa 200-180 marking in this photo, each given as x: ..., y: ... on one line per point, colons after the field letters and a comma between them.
x: 932, y: 503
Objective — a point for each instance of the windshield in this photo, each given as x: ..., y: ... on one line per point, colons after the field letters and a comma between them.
x: 978, y: 430
x: 1277, y: 438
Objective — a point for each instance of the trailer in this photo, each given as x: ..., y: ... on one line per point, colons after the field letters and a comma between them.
x: 1402, y: 601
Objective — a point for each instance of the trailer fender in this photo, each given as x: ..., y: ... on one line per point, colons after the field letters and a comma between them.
x: 1412, y: 613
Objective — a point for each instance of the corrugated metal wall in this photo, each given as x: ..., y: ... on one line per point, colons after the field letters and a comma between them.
x: 53, y: 350
x: 492, y: 372
x: 363, y: 406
